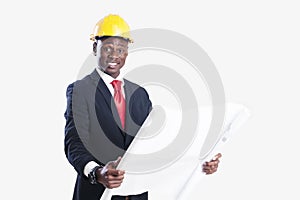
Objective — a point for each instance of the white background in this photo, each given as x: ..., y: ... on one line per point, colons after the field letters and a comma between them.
x: 254, y: 45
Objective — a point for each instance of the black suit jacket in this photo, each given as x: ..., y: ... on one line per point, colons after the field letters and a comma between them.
x: 92, y: 131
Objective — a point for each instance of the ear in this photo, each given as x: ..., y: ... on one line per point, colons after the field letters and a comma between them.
x: 95, y: 48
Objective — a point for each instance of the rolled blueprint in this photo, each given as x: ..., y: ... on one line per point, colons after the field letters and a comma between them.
x: 149, y: 162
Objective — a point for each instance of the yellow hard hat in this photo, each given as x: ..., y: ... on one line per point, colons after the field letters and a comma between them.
x: 111, y: 25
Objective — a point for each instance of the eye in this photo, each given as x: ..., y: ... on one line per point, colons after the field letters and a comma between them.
x: 120, y: 51
x: 107, y: 49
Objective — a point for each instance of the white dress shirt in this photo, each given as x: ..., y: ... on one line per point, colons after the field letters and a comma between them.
x: 107, y: 80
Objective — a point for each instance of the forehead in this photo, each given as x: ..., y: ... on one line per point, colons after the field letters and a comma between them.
x: 118, y: 41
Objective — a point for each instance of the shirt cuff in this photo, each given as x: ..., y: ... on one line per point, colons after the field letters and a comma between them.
x: 89, y: 167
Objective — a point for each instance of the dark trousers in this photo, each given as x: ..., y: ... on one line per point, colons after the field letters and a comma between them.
x: 143, y: 196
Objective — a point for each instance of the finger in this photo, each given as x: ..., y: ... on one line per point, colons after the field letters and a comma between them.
x: 207, y: 171
x: 216, y: 157
x: 115, y: 172
x: 111, y: 186
x: 111, y: 165
x: 208, y: 163
x: 211, y: 163
x: 210, y: 171
x: 210, y: 168
x: 116, y: 162
x: 206, y: 167
x: 115, y: 182
x: 114, y: 178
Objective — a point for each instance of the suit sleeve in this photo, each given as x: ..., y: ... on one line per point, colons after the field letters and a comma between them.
x: 76, y: 111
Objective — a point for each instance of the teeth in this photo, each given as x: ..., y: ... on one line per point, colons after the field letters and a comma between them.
x: 112, y: 64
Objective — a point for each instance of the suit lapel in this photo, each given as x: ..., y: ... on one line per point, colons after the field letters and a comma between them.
x: 102, y: 88
x: 130, y: 126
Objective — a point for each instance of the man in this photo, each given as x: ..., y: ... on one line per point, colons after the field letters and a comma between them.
x: 104, y: 113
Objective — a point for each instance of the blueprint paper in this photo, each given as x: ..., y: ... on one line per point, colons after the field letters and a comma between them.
x: 178, y: 178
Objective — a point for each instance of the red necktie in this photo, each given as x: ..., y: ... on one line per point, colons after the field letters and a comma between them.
x: 119, y: 100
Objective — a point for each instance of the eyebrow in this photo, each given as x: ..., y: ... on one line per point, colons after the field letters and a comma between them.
x: 118, y: 44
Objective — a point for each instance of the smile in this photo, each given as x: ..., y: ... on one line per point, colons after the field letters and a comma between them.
x: 112, y: 65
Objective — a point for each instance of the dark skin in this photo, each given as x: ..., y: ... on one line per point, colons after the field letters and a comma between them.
x: 212, y: 166
x: 109, y: 176
x: 113, y: 54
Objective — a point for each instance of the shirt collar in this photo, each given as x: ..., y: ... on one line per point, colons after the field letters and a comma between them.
x: 107, y: 78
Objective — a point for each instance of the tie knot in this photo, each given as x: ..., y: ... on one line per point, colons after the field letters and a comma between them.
x: 116, y: 84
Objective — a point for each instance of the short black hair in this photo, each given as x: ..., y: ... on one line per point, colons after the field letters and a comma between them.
x: 102, y: 38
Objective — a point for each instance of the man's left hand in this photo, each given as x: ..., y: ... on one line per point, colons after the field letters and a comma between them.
x: 212, y: 166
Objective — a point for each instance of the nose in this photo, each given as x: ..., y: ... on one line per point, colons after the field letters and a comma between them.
x: 114, y: 54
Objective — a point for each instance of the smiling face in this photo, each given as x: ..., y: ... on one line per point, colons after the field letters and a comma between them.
x: 113, y: 54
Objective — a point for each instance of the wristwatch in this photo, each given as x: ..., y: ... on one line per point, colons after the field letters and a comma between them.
x: 92, y: 176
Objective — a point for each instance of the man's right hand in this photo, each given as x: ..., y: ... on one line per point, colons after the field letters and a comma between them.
x: 109, y: 176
